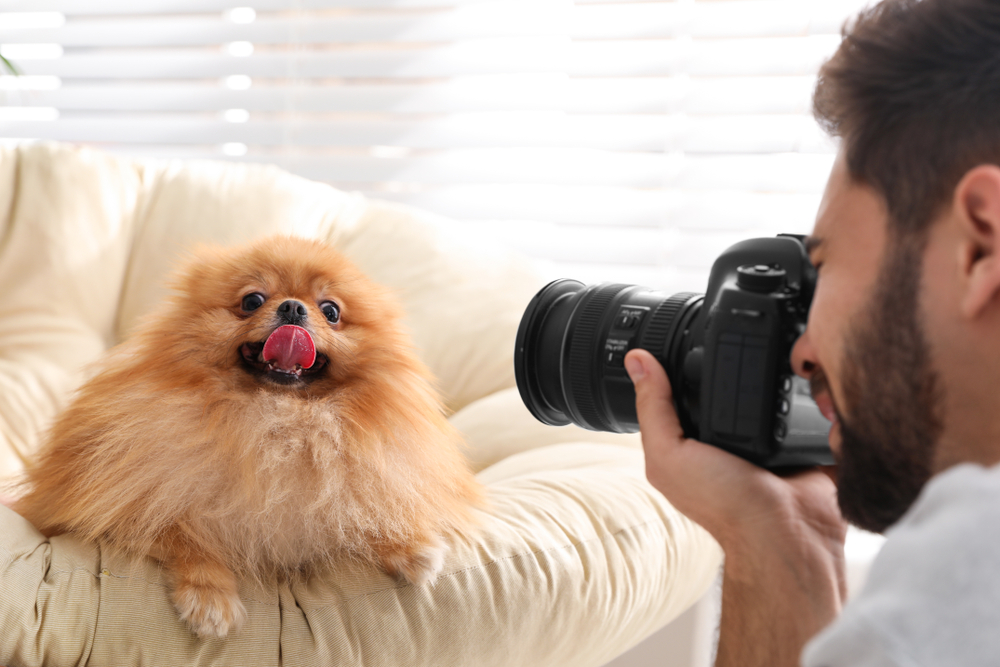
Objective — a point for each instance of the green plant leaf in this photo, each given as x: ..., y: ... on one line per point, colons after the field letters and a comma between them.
x: 10, y: 66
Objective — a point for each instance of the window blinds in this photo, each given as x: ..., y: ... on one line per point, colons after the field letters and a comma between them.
x: 628, y: 141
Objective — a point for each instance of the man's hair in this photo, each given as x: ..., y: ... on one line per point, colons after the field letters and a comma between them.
x: 914, y: 93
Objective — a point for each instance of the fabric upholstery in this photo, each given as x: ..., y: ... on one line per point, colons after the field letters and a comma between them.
x: 579, y: 558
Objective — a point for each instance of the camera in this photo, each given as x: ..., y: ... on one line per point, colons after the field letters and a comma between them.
x: 726, y: 352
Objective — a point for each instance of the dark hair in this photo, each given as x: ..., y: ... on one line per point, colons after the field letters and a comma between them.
x: 914, y: 93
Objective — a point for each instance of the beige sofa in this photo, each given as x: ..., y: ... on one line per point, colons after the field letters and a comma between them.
x: 580, y: 558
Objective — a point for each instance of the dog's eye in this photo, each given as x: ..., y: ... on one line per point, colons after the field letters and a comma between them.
x: 331, y: 311
x: 253, y: 301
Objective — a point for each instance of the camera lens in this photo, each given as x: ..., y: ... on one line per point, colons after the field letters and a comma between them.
x: 571, y: 345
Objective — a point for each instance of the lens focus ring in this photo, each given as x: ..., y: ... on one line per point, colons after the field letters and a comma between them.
x: 583, y: 356
x: 661, y: 323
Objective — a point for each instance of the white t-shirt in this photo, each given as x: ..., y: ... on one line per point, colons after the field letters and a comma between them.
x: 933, y: 592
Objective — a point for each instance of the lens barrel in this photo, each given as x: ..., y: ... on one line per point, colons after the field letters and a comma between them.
x: 571, y: 345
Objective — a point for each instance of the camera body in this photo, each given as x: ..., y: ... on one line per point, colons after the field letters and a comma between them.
x: 727, y: 354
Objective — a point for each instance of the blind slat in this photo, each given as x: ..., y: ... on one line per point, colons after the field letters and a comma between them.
x: 767, y: 173
x: 751, y: 95
x: 197, y: 31
x: 784, y: 56
x: 781, y: 173
x: 743, y: 18
x: 167, y: 7
x: 828, y: 9
x: 744, y: 134
x: 589, y: 244
x: 701, y: 210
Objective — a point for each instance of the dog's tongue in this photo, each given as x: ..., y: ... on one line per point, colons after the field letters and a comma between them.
x: 289, y: 346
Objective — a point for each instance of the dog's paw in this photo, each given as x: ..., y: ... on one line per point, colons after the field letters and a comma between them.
x: 419, y: 564
x: 210, y: 611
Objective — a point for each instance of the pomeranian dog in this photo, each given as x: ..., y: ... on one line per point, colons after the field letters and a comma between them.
x: 270, y: 416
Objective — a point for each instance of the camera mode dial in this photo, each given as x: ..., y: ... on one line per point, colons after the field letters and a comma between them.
x: 761, y: 278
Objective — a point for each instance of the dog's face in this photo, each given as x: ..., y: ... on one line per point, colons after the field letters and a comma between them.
x: 288, y: 355
x: 285, y: 314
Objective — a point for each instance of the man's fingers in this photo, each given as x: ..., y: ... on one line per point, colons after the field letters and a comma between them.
x: 653, y: 400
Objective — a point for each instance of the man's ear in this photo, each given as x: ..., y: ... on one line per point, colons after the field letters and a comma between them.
x: 976, y: 207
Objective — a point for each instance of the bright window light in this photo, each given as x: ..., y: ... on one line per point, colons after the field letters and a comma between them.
x: 234, y: 149
x: 28, y: 113
x: 649, y: 120
x: 862, y: 545
x: 240, y: 49
x: 241, y: 15
x: 31, y: 51
x: 388, y: 152
x: 236, y: 115
x: 26, y: 82
x: 31, y: 20
x: 238, y: 82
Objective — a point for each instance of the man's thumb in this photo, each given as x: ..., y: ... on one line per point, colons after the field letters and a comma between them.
x: 653, y: 397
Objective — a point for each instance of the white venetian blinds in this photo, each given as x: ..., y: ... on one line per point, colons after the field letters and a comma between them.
x: 621, y: 140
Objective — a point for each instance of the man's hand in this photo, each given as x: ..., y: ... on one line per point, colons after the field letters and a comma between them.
x: 783, y: 536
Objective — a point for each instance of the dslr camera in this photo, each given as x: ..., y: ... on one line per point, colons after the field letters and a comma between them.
x: 726, y: 352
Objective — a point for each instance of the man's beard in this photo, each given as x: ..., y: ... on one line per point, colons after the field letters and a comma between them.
x: 892, y: 399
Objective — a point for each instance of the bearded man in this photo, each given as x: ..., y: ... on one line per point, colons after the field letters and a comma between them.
x: 902, y: 350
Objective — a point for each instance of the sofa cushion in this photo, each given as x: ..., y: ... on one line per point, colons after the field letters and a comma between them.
x: 579, y: 560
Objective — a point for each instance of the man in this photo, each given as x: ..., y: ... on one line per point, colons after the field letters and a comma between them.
x: 902, y: 350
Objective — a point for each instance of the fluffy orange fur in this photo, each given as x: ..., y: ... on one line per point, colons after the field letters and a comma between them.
x: 179, y: 448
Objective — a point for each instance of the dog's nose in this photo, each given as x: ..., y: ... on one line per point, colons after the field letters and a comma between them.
x: 292, y: 311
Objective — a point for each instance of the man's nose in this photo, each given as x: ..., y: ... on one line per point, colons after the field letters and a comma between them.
x: 804, y: 360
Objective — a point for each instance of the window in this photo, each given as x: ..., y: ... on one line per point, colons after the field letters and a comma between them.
x: 628, y: 141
